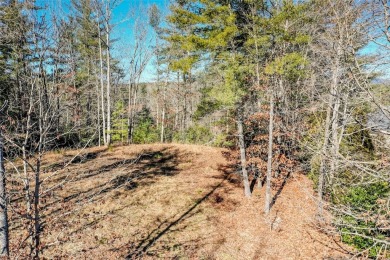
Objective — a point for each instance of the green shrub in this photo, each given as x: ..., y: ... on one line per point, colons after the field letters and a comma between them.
x: 365, y: 197
x: 221, y: 141
x: 364, y: 200
x: 145, y: 132
x: 196, y: 134
x: 120, y: 129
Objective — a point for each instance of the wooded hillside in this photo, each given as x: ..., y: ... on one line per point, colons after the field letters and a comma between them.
x: 286, y: 87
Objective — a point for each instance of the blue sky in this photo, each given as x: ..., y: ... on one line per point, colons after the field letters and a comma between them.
x: 123, y: 8
x: 125, y: 15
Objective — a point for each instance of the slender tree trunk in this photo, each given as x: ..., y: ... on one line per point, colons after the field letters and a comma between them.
x: 335, y: 92
x: 163, y: 116
x: 4, y: 239
x: 335, y: 137
x: 177, y: 115
x: 26, y: 180
x: 132, y: 119
x: 157, y: 113
x: 344, y: 116
x: 36, y: 219
x: 37, y: 225
x: 334, y: 125
x: 330, y: 131
x: 108, y: 89
x: 76, y: 117
x: 129, y: 112
x: 162, y: 125
x: 322, y: 170
x: 259, y: 181
x: 257, y: 61
x: 269, y: 162
x: 158, y: 83
x: 241, y: 141
x: 102, y: 86
x: 98, y: 113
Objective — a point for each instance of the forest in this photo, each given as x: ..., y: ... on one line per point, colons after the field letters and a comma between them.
x: 220, y: 109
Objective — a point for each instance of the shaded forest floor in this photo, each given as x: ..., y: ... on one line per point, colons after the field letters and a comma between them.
x: 167, y: 201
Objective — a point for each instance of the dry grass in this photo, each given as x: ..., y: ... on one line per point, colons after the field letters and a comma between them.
x: 170, y: 201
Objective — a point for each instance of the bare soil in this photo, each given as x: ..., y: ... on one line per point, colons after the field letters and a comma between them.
x: 170, y: 201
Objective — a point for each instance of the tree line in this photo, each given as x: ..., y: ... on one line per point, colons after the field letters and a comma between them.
x: 289, y: 86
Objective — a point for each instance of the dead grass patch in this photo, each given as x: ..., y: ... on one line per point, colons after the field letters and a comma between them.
x: 169, y: 201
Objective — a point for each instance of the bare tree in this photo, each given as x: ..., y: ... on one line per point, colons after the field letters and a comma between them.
x: 4, y: 239
x: 139, y: 58
x: 270, y: 152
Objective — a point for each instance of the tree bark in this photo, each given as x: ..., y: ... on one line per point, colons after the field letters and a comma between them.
x: 129, y: 113
x: 335, y: 117
x: 102, y: 86
x: 331, y: 125
x: 4, y: 239
x: 108, y: 78
x: 98, y: 113
x: 241, y: 141
x: 322, y: 170
x: 37, y: 217
x: 37, y: 222
x: 269, y: 162
x: 163, y: 116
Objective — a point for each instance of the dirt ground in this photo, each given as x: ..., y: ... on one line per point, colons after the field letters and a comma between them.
x: 169, y: 201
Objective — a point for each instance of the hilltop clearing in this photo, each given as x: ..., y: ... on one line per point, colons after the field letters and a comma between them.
x: 149, y: 201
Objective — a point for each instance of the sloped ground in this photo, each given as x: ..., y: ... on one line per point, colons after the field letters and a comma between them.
x: 289, y: 232
x: 171, y: 201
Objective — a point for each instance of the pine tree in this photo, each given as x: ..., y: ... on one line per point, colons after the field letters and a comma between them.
x: 207, y: 31
x: 284, y: 67
x: 86, y: 40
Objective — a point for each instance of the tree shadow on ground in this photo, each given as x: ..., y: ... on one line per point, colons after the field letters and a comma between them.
x: 152, y: 237
x: 70, y: 159
x: 75, y: 159
x: 255, y: 176
x: 280, y: 189
x: 128, y: 174
x: 144, y: 165
x: 229, y: 173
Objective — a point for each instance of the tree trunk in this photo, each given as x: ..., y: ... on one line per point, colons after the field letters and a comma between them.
x: 4, y: 240
x: 129, y: 113
x: 102, y: 87
x: 158, y: 85
x: 37, y: 225
x: 25, y: 164
x: 322, y: 170
x: 259, y: 181
x: 241, y: 142
x: 98, y: 113
x: 330, y: 122
x: 163, y: 117
x: 133, y: 112
x: 108, y: 84
x: 269, y: 162
x: 37, y: 188
x: 335, y: 136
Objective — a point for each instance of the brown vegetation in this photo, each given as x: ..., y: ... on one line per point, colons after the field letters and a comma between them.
x: 149, y: 201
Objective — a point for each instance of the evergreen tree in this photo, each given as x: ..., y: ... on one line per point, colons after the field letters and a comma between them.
x: 119, y: 123
x: 207, y: 31
x: 86, y: 40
